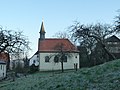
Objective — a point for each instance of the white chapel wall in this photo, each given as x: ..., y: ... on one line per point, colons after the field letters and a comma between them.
x: 51, y: 65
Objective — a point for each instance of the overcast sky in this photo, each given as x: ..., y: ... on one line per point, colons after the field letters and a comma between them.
x: 58, y: 15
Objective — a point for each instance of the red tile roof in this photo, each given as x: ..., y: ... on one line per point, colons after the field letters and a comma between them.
x: 53, y: 45
x: 4, y: 57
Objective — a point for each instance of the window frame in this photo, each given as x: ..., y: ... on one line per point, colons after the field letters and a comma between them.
x: 47, y: 58
x: 56, y: 59
x: 64, y: 58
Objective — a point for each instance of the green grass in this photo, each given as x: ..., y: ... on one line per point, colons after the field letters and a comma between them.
x: 102, y: 77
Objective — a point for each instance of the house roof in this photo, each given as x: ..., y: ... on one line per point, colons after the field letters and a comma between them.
x: 53, y: 45
x: 4, y: 57
x: 113, y: 39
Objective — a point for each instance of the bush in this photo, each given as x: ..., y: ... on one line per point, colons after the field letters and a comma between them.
x: 33, y: 68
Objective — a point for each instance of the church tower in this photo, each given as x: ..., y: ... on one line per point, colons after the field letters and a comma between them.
x: 42, y: 32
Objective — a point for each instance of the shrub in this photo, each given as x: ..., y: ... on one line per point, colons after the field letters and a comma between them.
x: 33, y: 68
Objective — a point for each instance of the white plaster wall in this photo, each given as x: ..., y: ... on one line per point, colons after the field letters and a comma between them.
x: 34, y: 58
x: 2, y: 70
x: 44, y: 66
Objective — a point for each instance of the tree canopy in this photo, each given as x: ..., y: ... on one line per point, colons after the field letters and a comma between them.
x: 93, y: 37
x: 12, y: 41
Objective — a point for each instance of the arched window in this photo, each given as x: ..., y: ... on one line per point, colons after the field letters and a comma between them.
x: 47, y: 59
x: 64, y: 58
x: 56, y: 59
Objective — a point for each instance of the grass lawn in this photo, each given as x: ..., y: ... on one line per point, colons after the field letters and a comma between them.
x: 101, y: 77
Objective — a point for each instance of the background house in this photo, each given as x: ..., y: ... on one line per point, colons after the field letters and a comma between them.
x: 49, y: 53
x: 4, y: 56
x: 16, y: 63
x: 83, y: 56
x: 113, y: 45
x: 2, y: 69
x: 17, y: 59
x: 98, y: 54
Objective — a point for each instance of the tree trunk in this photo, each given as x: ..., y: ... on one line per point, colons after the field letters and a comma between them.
x: 109, y: 54
x: 103, y: 46
x: 62, y: 66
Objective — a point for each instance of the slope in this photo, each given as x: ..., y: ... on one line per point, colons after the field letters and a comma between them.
x: 102, y: 77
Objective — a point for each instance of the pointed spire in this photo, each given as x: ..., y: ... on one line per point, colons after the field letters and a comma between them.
x: 42, y: 31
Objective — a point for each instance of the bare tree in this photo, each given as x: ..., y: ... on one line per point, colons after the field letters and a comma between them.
x: 92, y: 35
x: 117, y: 23
x: 61, y: 55
x: 11, y: 41
x: 64, y: 35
